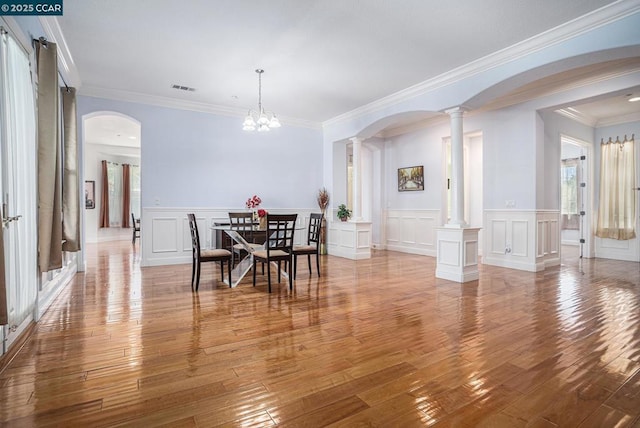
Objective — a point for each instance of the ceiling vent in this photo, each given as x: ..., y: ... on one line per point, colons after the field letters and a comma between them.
x: 183, y: 88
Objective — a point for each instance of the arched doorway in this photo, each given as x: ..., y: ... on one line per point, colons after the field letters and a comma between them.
x: 116, y: 139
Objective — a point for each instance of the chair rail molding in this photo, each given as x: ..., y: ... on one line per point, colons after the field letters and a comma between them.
x: 165, y: 238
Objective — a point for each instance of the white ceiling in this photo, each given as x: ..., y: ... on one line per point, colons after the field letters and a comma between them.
x: 112, y: 130
x: 321, y: 58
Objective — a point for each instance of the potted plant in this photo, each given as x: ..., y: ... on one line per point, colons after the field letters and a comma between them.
x: 343, y: 212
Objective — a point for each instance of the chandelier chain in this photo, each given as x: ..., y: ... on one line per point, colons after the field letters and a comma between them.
x: 259, y: 71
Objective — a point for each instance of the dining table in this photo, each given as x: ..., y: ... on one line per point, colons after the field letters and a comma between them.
x: 244, y: 266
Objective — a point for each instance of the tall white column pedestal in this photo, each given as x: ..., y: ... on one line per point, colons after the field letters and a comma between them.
x: 457, y: 254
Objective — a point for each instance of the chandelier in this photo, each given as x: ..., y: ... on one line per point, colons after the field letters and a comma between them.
x: 261, y: 118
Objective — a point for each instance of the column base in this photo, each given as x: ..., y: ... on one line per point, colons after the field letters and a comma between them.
x: 457, y: 254
x: 350, y: 239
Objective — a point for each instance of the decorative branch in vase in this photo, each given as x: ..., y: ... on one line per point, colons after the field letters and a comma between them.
x: 323, y: 203
x: 323, y: 199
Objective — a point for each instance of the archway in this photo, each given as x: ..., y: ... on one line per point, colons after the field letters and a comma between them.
x: 115, y: 138
x: 408, y: 218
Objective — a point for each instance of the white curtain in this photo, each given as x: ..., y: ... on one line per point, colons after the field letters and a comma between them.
x: 617, y: 210
x: 114, y: 173
x: 135, y: 190
x: 18, y: 179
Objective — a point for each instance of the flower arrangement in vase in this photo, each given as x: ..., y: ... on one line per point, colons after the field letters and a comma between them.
x: 252, y: 204
x: 262, y: 219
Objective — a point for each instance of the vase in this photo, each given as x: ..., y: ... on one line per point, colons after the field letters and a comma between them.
x: 262, y: 224
x: 323, y: 235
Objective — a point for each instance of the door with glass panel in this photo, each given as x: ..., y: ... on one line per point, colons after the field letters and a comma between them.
x: 17, y: 187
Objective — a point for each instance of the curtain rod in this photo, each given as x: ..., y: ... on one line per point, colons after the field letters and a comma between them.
x: 43, y: 41
x: 116, y: 163
x: 618, y: 140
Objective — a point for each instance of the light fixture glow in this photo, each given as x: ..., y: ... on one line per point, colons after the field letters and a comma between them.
x: 262, y: 119
x: 634, y: 99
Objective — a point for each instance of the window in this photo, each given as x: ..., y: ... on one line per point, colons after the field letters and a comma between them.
x: 114, y: 176
x: 135, y: 190
x: 570, y: 196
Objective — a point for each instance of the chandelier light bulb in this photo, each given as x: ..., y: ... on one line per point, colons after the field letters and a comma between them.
x: 248, y: 121
x: 274, y: 122
x: 263, y: 119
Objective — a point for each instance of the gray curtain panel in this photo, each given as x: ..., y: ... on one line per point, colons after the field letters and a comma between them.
x: 49, y: 160
x: 70, y: 179
x: 104, y: 196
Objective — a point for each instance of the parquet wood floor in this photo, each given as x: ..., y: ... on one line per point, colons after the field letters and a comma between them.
x: 377, y: 342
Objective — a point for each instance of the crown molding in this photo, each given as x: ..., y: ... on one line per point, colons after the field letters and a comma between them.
x: 573, y: 28
x: 593, y: 122
x: 578, y: 116
x: 618, y: 120
x: 137, y: 97
x: 519, y: 98
x: 68, y: 68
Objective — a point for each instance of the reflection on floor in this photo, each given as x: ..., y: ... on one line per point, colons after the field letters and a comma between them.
x: 377, y: 342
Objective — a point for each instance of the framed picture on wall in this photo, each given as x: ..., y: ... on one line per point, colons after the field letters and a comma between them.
x: 90, y: 194
x: 410, y: 178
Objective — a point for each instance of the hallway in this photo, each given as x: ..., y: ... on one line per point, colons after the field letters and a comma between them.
x: 378, y: 342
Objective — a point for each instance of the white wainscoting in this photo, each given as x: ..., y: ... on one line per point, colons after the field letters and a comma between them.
x: 412, y: 231
x: 619, y: 250
x: 522, y: 239
x: 165, y: 238
x: 350, y: 239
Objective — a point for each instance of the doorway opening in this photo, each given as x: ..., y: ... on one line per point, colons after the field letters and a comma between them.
x: 112, y: 171
x: 575, y: 197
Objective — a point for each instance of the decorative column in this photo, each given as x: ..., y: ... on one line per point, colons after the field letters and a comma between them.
x: 457, y: 252
x: 352, y: 239
x: 357, y: 178
x: 457, y: 169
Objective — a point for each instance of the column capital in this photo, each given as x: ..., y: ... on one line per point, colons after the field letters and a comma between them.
x: 356, y: 139
x: 459, y: 110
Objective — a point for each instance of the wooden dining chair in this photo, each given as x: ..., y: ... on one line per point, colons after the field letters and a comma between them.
x: 200, y: 256
x: 313, y: 244
x: 243, y: 223
x: 278, y: 247
x: 136, y: 228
